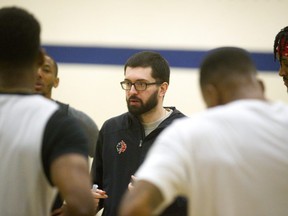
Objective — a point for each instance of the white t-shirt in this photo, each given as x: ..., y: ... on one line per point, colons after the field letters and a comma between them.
x: 23, y: 181
x: 228, y: 161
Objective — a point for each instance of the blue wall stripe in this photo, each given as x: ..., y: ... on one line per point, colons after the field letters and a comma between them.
x: 118, y: 56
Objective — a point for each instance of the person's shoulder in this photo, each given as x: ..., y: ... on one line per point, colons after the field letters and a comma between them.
x: 71, y: 111
x: 82, y: 116
x: 37, y: 100
x: 63, y: 135
x: 37, y: 103
x: 63, y: 107
x: 76, y: 112
x: 175, y: 112
x: 118, y: 118
x: 59, y: 117
x: 119, y: 121
x: 60, y: 123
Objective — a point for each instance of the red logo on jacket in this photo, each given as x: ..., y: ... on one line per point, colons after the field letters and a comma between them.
x: 121, y: 147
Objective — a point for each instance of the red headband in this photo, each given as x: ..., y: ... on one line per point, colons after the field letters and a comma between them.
x: 284, y: 46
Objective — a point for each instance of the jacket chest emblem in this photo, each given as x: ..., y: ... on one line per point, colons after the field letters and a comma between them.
x: 121, y: 147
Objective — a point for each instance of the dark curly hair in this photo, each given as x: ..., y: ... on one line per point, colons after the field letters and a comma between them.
x: 281, y: 36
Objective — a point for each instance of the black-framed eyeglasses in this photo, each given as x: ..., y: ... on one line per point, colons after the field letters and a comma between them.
x: 139, y: 86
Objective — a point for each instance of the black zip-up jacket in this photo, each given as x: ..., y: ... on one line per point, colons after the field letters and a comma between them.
x: 120, y: 150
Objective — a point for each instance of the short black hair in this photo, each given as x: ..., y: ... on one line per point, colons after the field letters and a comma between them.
x: 225, y: 63
x: 159, y: 65
x: 281, y: 36
x: 19, y: 37
x: 54, y: 64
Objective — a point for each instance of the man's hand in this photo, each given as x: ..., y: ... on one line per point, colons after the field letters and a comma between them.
x: 70, y: 174
x: 131, y: 184
x: 142, y: 200
x: 98, y: 194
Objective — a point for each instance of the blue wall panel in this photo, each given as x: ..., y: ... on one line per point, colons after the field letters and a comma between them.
x: 118, y: 56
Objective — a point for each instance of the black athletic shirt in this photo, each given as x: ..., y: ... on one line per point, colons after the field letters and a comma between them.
x: 63, y: 134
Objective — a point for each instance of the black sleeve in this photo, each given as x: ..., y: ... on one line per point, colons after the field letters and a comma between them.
x: 97, y: 166
x: 89, y: 125
x: 62, y: 135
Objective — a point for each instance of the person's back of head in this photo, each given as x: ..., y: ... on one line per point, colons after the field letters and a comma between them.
x: 281, y: 44
x: 19, y: 42
x: 227, y: 74
x: 159, y: 65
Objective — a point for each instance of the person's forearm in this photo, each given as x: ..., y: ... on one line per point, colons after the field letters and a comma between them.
x: 79, y: 211
x: 70, y: 175
x: 135, y: 210
x: 141, y: 200
x: 80, y: 204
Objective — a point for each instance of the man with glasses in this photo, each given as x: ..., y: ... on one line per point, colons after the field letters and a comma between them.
x: 124, y: 140
x: 228, y: 160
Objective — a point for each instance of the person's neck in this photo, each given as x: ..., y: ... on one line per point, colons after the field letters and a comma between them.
x: 16, y: 90
x: 48, y: 96
x: 17, y: 84
x: 153, y: 115
x: 246, y: 94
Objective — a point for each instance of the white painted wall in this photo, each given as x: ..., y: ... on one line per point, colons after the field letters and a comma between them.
x: 179, y: 24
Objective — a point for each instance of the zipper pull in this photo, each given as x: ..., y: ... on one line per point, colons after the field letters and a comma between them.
x: 140, y: 144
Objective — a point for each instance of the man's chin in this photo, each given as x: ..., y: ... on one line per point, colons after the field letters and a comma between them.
x: 38, y: 91
x: 135, y: 110
x: 38, y: 88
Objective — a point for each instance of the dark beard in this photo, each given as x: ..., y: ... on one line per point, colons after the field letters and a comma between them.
x: 149, y: 105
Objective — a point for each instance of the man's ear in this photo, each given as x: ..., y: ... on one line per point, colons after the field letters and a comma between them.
x: 163, y: 88
x: 56, y: 82
x: 262, y: 86
x: 210, y: 95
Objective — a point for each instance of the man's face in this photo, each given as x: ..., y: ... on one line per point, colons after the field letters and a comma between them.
x: 140, y: 102
x: 283, y: 71
x: 46, y: 78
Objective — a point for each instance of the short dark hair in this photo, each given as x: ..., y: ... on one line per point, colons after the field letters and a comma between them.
x: 19, y: 37
x: 159, y: 65
x: 281, y: 40
x: 225, y: 63
x: 54, y: 64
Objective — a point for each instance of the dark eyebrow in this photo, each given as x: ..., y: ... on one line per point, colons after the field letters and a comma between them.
x: 138, y: 80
